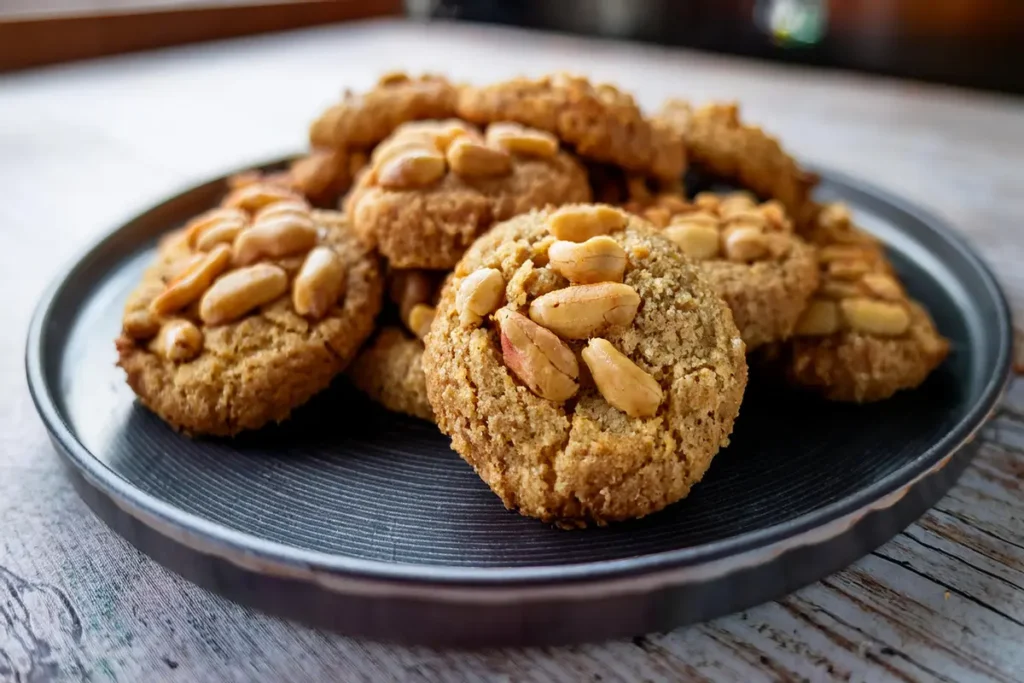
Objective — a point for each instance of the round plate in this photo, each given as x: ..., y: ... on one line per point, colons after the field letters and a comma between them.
x: 366, y: 522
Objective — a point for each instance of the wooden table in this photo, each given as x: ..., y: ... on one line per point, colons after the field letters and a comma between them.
x: 84, y: 146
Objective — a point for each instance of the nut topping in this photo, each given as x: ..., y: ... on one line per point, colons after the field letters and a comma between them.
x: 420, y: 318
x: 697, y: 240
x: 519, y: 140
x: 479, y: 295
x: 584, y: 311
x: 178, y: 341
x: 875, y: 317
x: 599, y: 259
x: 475, y: 160
x: 820, y: 318
x: 319, y: 284
x: 537, y: 357
x: 621, y: 381
x: 411, y: 169
x: 279, y: 232
x: 580, y: 223
x: 240, y: 291
x: 190, y: 284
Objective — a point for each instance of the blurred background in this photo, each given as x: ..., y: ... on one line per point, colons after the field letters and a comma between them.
x: 972, y: 43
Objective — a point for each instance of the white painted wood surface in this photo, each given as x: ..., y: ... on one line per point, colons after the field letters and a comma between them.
x: 85, y: 146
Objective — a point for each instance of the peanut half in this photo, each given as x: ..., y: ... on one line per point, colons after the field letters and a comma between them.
x: 252, y: 198
x: 275, y: 235
x: 319, y: 283
x: 412, y: 169
x: 410, y: 287
x: 745, y: 244
x: 537, y: 357
x: 214, y: 227
x: 584, y: 311
x: 882, y: 286
x: 697, y: 240
x: 875, y: 317
x: 599, y: 259
x: 519, y: 140
x: 479, y: 295
x: 472, y: 159
x: 240, y: 291
x: 622, y: 382
x: 580, y: 223
x: 819, y: 319
x: 178, y: 341
x: 190, y: 284
x: 421, y: 316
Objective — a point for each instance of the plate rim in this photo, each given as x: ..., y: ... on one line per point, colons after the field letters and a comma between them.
x: 273, y: 557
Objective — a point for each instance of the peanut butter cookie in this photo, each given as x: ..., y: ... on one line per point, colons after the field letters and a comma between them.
x: 720, y: 142
x: 247, y: 312
x: 600, y: 122
x: 434, y: 187
x: 861, y: 338
x: 584, y: 369
x: 749, y: 254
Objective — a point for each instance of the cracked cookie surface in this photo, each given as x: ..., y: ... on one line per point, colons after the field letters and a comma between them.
x: 749, y: 254
x: 434, y: 187
x: 640, y: 395
x: 600, y: 122
x: 217, y: 345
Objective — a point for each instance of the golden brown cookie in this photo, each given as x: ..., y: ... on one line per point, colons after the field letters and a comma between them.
x: 248, y: 312
x: 390, y: 371
x: 598, y: 401
x: 720, y: 142
x: 361, y: 121
x: 434, y: 187
x: 600, y: 122
x: 861, y: 338
x: 749, y: 254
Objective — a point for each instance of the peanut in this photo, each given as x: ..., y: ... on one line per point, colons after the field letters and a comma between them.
x: 178, y: 341
x: 837, y: 289
x: 252, y: 198
x: 293, y: 208
x: 410, y: 287
x: 875, y: 317
x: 190, y: 284
x: 622, y: 382
x: 846, y: 252
x: 411, y: 169
x: 475, y: 160
x: 479, y: 295
x: 516, y: 139
x: 240, y: 291
x: 275, y: 235
x: 420, y: 318
x: 140, y: 324
x: 319, y: 284
x: 213, y: 227
x: 580, y: 223
x: 599, y: 259
x: 745, y: 244
x: 820, y: 318
x: 537, y: 357
x: 883, y: 286
x: 698, y: 241
x: 583, y: 311
x: 848, y: 270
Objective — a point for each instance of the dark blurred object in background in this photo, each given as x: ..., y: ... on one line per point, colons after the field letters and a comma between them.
x: 976, y: 43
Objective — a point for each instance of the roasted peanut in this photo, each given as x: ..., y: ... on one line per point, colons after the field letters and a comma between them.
x: 580, y: 223
x: 519, y: 140
x: 275, y: 235
x: 178, y: 341
x: 479, y: 295
x: 140, y: 324
x: 420, y: 318
x: 410, y: 287
x: 252, y: 198
x: 837, y: 289
x: 583, y: 311
x: 411, y: 169
x: 846, y: 252
x: 698, y: 241
x: 476, y: 160
x: 883, y: 286
x: 820, y: 318
x: 240, y: 291
x: 622, y: 382
x: 215, y: 226
x: 848, y: 270
x: 190, y: 284
x: 537, y: 357
x: 875, y: 317
x: 319, y: 284
x: 745, y: 244
x: 599, y: 259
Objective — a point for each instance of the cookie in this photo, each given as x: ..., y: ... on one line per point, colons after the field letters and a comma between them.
x: 361, y: 121
x: 247, y: 312
x: 599, y: 122
x: 718, y: 141
x: 389, y: 369
x: 434, y: 187
x: 585, y: 370
x: 749, y: 254
x: 861, y: 338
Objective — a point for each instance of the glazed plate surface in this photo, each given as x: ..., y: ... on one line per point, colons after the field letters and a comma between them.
x: 365, y: 521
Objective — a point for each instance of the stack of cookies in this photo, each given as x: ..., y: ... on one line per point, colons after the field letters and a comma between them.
x: 521, y: 264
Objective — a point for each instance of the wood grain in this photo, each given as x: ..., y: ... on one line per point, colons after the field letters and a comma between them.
x: 84, y: 146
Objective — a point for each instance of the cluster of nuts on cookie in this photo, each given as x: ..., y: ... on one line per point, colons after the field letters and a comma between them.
x: 236, y: 258
x: 595, y: 302
x: 420, y: 154
x: 414, y: 292
x: 733, y: 227
x: 858, y: 291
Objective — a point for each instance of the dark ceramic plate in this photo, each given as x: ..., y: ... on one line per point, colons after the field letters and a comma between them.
x: 363, y: 521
